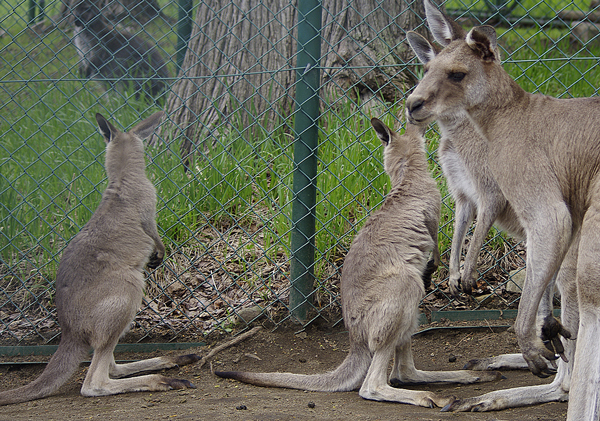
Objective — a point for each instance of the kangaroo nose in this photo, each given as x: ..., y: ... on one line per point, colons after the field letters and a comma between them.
x: 414, y: 104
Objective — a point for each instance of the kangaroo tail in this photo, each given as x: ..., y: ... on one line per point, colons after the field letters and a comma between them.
x: 348, y: 376
x: 60, y: 368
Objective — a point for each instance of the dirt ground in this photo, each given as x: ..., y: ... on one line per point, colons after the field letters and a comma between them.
x: 314, y: 350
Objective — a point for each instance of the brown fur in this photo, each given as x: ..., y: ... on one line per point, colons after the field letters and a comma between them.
x: 382, y: 286
x: 100, y: 280
x: 544, y: 154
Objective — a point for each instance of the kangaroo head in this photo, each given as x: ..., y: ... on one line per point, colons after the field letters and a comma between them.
x: 399, y: 148
x: 457, y: 77
x: 126, y: 149
x: 87, y: 15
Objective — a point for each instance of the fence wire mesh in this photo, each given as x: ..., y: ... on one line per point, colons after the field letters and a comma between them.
x: 223, y: 161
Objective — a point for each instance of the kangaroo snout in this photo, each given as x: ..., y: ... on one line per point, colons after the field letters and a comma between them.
x: 415, y: 109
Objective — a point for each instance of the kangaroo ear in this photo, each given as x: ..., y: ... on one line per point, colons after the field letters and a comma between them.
x: 108, y: 130
x: 443, y: 28
x: 422, y: 48
x: 384, y: 133
x: 146, y: 127
x: 483, y: 40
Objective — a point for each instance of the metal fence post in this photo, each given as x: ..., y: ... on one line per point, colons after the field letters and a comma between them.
x: 305, y: 158
x: 32, y: 6
x: 184, y: 29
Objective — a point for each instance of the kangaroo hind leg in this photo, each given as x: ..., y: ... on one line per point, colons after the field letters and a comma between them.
x: 375, y: 386
x: 151, y: 364
x: 404, y: 371
x: 391, y: 325
x: 584, y: 399
x: 106, y: 333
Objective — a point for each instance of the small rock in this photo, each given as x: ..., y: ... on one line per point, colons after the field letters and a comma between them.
x: 517, y: 279
x: 247, y: 314
x: 302, y: 360
x: 452, y: 358
x: 241, y: 407
x: 302, y: 335
x: 311, y: 405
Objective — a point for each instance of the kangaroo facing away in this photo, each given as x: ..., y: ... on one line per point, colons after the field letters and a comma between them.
x: 544, y: 154
x: 100, y: 281
x: 382, y: 286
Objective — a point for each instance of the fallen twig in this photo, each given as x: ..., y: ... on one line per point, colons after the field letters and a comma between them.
x: 226, y: 345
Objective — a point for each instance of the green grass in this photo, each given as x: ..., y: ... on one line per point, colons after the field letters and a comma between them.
x: 51, y: 156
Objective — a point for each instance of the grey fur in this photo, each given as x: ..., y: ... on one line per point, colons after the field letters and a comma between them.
x: 544, y: 155
x: 100, y: 280
x: 382, y: 286
x: 463, y: 157
x: 114, y: 56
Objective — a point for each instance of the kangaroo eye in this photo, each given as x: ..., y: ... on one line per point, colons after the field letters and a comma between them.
x: 456, y: 76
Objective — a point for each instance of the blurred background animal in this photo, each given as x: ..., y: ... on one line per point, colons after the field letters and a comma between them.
x: 121, y: 60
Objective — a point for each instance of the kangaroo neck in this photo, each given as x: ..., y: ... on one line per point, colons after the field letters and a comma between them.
x: 505, y: 101
x: 407, y: 169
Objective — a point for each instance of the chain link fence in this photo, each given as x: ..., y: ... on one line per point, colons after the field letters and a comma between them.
x: 225, y: 161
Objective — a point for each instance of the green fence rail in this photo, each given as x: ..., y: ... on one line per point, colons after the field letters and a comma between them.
x: 265, y: 166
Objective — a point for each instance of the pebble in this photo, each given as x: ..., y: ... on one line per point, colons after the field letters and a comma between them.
x: 311, y: 405
x: 241, y: 407
x: 452, y: 358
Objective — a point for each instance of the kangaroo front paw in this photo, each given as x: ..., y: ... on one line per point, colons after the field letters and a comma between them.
x: 154, y: 261
x: 455, y: 287
x: 552, y: 330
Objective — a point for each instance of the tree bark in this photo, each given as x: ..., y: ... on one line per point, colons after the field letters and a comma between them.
x: 239, y: 66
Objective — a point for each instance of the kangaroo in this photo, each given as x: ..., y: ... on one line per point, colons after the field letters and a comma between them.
x: 382, y: 286
x: 463, y: 157
x: 544, y: 155
x: 100, y: 281
x: 115, y: 56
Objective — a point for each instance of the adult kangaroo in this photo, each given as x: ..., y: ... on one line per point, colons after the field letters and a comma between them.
x: 544, y: 153
x: 382, y: 286
x: 463, y: 154
x: 463, y: 157
x: 100, y: 281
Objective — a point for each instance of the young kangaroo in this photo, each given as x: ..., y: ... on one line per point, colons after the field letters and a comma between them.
x: 116, y: 56
x: 100, y: 281
x: 382, y: 286
x: 543, y: 152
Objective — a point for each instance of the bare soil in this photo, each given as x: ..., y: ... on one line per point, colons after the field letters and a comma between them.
x: 314, y: 350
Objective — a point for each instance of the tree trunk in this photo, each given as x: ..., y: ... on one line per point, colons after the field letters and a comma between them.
x: 239, y: 67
